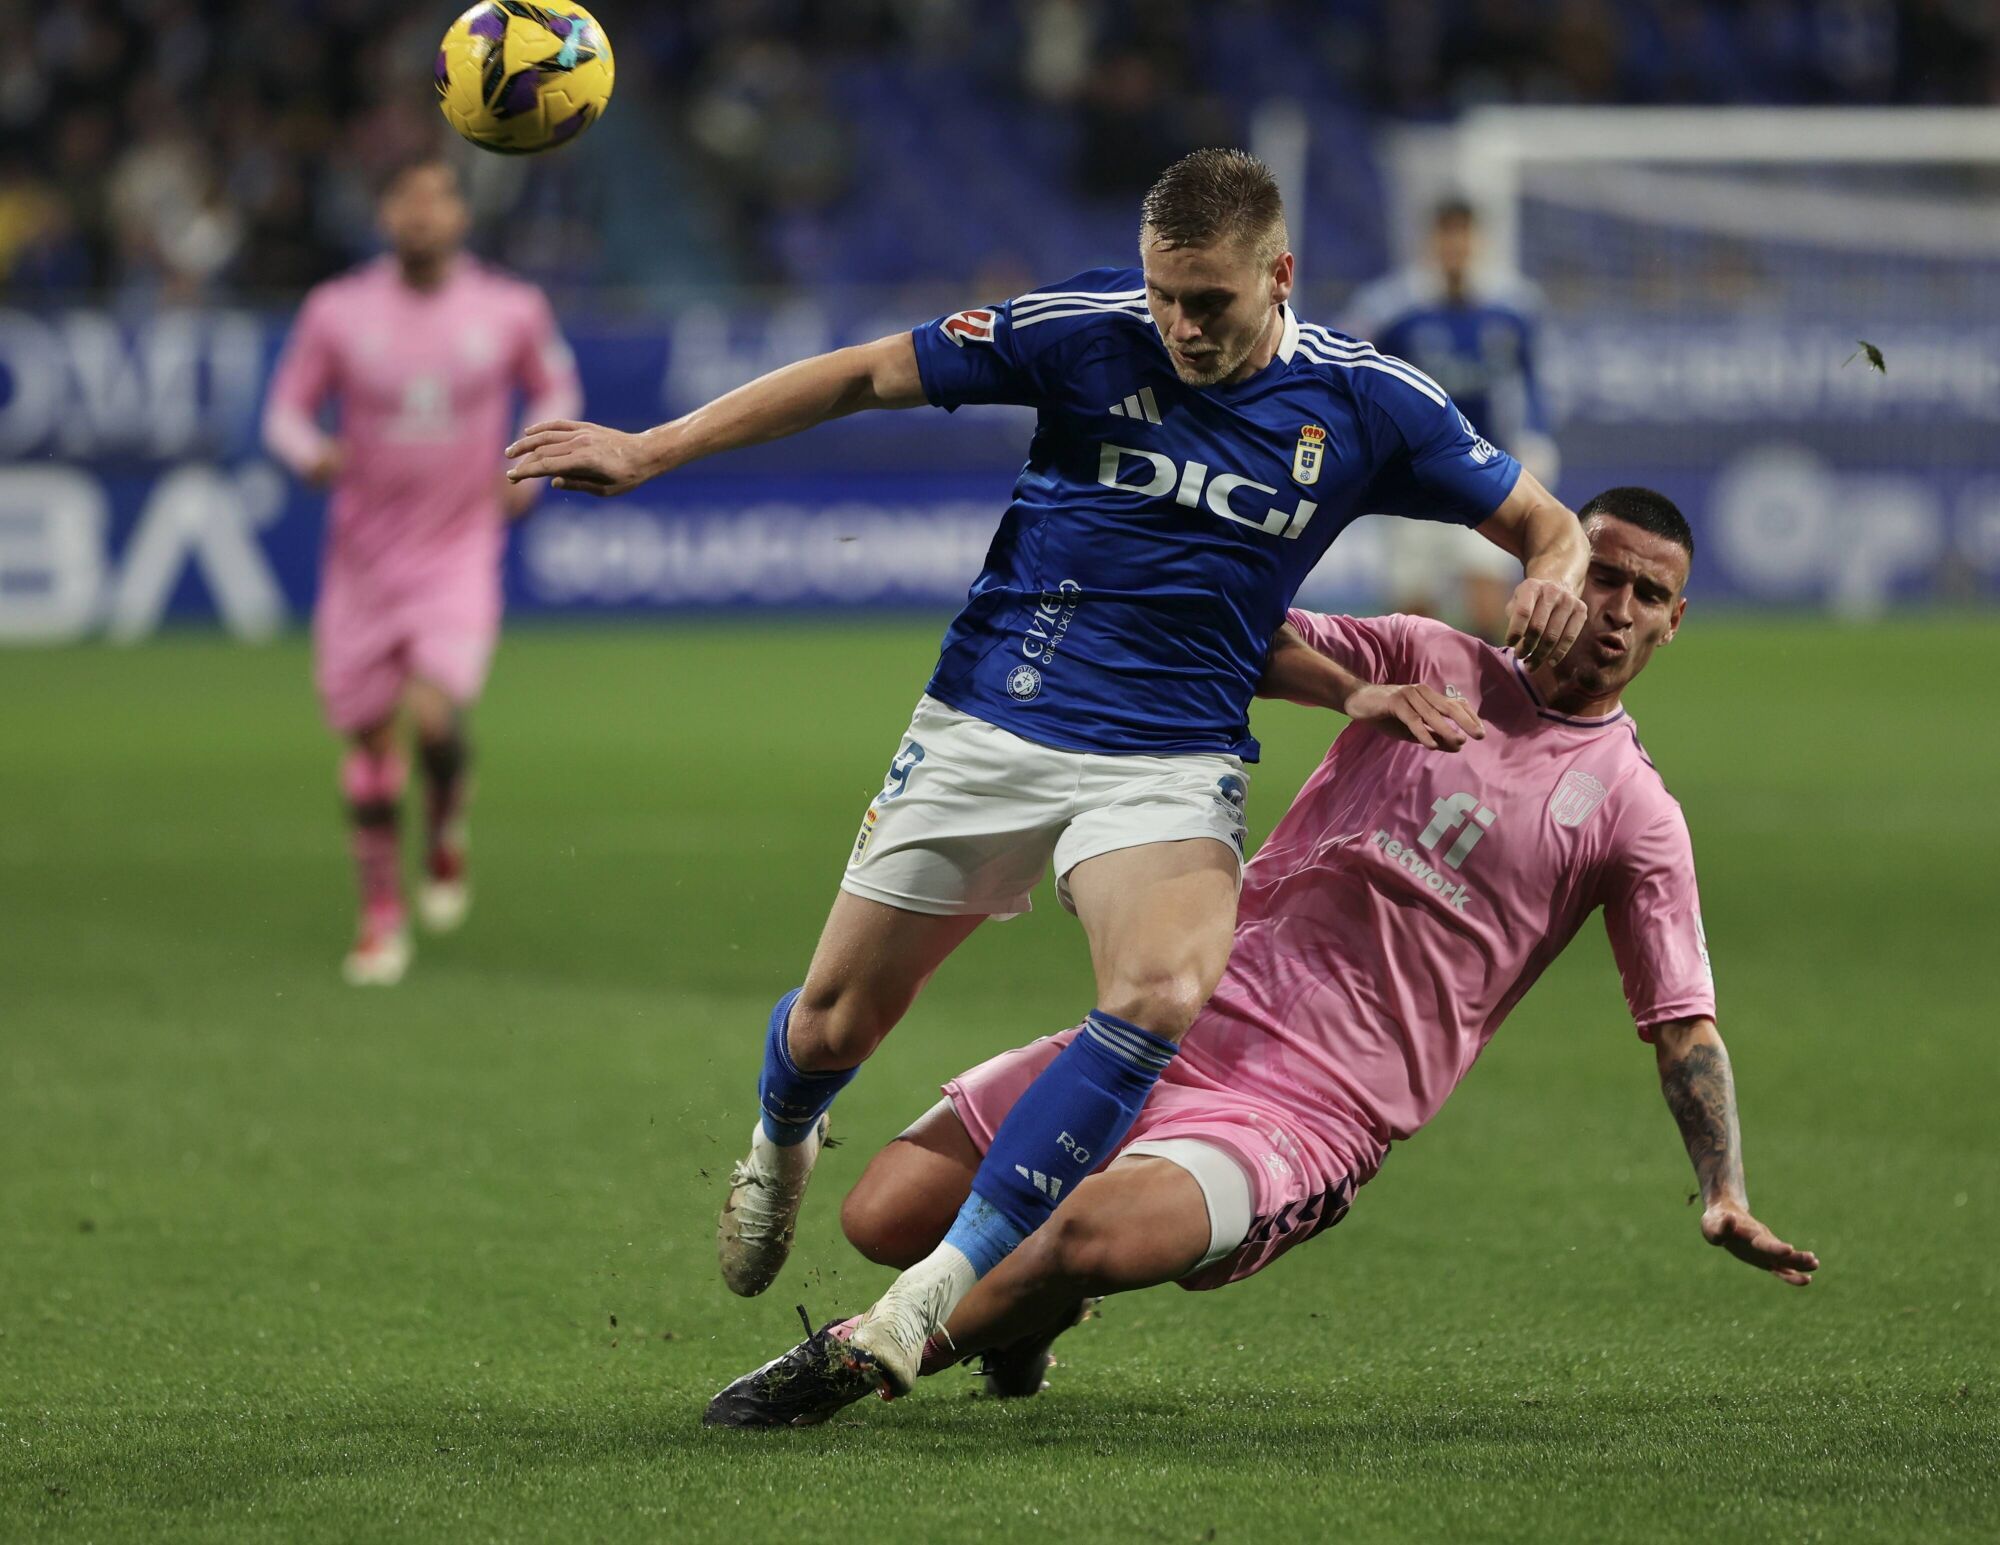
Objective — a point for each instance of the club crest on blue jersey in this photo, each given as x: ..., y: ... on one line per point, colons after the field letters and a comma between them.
x: 1023, y: 683
x: 1307, y: 458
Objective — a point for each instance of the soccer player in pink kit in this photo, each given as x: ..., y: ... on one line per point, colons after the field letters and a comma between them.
x: 423, y: 350
x: 1402, y: 907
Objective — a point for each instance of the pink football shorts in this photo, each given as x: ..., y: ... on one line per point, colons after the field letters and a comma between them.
x: 1269, y: 1179
x: 369, y: 642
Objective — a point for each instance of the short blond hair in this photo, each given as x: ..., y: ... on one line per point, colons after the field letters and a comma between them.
x: 1216, y: 195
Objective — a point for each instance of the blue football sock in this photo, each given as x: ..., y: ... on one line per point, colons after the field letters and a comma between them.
x: 793, y: 1101
x: 1066, y: 1121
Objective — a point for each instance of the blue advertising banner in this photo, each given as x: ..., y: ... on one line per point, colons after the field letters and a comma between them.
x: 133, y: 490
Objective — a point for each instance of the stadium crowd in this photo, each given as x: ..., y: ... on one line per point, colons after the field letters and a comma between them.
x: 176, y: 148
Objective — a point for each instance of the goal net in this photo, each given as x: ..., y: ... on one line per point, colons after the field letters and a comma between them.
x: 1711, y: 278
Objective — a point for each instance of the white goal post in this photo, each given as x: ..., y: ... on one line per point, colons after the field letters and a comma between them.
x: 1497, y: 149
x: 1708, y: 277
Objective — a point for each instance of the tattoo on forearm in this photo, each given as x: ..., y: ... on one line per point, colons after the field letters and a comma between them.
x: 1702, y: 1095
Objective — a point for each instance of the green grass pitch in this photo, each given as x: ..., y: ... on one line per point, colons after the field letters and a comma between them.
x: 281, y: 1260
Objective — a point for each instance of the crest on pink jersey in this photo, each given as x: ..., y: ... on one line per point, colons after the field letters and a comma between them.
x: 1575, y: 798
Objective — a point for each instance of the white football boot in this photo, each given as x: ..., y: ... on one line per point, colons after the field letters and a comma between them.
x: 892, y: 1334
x: 442, y: 904
x: 753, y: 1237
x: 379, y: 958
x: 444, y: 895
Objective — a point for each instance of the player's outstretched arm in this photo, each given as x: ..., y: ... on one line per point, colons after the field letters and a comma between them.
x: 299, y: 387
x: 1546, y: 615
x: 1299, y: 673
x: 1701, y: 1092
x: 597, y: 460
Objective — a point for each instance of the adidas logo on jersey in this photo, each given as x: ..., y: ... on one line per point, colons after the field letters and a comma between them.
x: 1140, y: 404
x: 1483, y: 449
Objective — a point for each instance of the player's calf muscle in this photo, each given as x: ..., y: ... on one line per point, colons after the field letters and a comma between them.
x: 1123, y: 1230
x: 871, y: 962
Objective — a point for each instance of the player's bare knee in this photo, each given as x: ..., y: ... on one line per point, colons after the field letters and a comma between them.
x: 890, y: 1221
x: 1164, y: 1002
x: 836, y: 1025
x: 872, y: 1226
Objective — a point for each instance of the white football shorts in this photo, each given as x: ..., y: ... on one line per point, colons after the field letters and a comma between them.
x: 971, y: 814
x: 1430, y: 558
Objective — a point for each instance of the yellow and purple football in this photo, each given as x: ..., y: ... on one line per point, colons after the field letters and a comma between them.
x: 518, y: 78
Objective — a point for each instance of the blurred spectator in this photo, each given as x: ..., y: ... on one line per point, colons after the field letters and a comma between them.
x: 39, y: 246
x: 226, y: 146
x: 1474, y: 330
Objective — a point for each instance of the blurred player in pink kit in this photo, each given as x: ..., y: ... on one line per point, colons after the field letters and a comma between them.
x: 1403, y: 906
x: 424, y: 352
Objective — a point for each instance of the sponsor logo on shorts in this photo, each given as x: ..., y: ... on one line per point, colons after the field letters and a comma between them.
x: 1024, y: 683
x: 868, y: 819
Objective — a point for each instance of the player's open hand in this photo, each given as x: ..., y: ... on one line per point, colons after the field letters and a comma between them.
x: 1733, y: 1228
x: 1543, y: 620
x: 586, y: 457
x: 1419, y: 713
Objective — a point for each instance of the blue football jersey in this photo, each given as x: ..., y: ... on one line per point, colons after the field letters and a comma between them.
x: 1159, y: 531
x: 1479, y: 348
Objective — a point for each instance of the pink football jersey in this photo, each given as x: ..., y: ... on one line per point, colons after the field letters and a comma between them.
x: 424, y: 384
x: 1409, y: 899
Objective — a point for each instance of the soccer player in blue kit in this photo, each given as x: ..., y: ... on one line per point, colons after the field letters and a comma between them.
x: 1473, y: 329
x: 1197, y: 449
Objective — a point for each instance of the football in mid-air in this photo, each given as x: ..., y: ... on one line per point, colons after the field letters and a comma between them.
x: 516, y: 78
